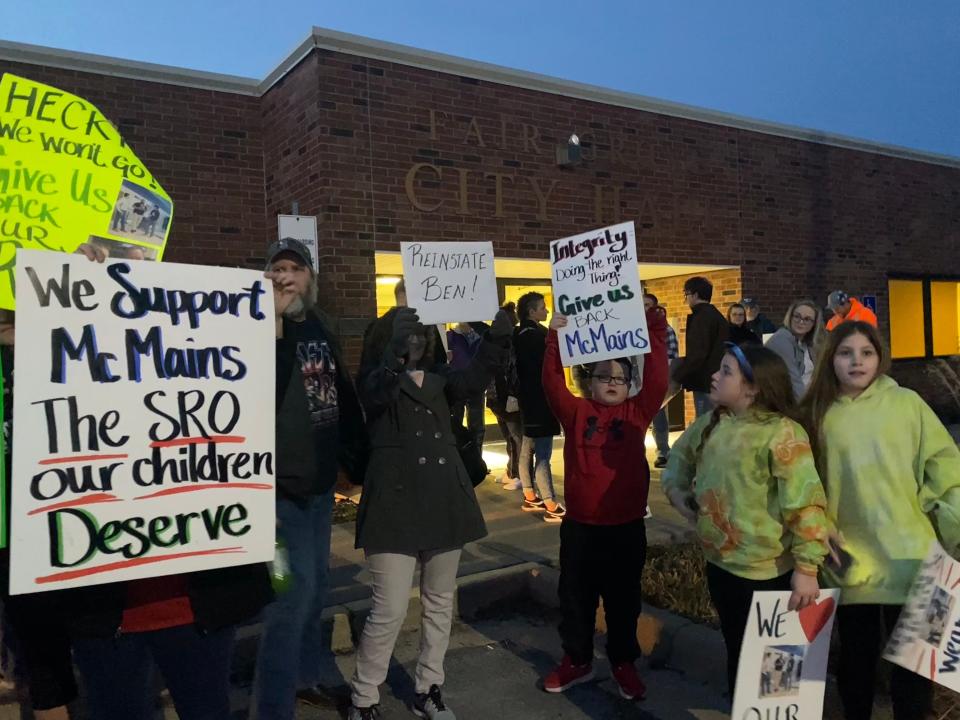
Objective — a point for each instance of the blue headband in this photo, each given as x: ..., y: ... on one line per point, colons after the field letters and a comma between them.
x: 742, y: 361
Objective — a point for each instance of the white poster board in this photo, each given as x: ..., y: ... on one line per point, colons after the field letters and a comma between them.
x: 927, y: 637
x: 783, y: 662
x: 302, y: 228
x: 144, y: 420
x: 596, y: 285
x: 449, y: 282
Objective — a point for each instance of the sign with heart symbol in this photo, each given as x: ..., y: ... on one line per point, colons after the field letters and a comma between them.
x: 783, y: 662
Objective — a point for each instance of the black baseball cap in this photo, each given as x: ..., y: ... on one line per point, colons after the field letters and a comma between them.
x: 289, y: 245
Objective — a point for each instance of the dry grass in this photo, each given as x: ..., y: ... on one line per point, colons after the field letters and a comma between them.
x: 674, y: 579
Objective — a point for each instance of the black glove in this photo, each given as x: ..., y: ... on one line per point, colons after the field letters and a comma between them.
x: 405, y: 324
x: 502, y: 327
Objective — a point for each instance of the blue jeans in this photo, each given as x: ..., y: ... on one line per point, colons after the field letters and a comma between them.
x: 702, y: 403
x: 542, y: 450
x: 291, y: 645
x: 119, y: 682
x: 661, y: 433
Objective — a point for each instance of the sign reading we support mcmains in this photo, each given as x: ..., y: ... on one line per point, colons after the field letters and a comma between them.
x: 144, y: 431
x: 67, y: 178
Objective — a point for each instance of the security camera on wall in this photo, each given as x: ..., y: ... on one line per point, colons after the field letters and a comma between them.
x: 569, y: 153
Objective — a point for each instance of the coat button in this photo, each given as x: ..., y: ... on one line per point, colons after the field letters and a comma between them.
x: 422, y: 461
x: 429, y: 412
x: 438, y: 435
x: 416, y: 409
x: 419, y: 433
x: 442, y: 461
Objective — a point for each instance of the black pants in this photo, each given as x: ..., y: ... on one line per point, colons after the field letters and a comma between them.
x: 601, y: 561
x: 731, y: 596
x: 862, y: 629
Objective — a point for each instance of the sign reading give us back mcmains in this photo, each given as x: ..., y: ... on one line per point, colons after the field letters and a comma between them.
x: 66, y: 178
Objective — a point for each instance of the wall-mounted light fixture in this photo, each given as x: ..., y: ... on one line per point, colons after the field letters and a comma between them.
x: 569, y: 153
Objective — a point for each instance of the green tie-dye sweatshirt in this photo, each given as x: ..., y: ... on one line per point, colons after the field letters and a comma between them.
x: 891, y: 468
x: 761, y: 503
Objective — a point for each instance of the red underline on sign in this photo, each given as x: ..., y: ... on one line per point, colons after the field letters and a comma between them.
x: 82, y: 458
x: 206, y: 486
x: 88, y: 500
x: 214, y: 439
x: 134, y: 562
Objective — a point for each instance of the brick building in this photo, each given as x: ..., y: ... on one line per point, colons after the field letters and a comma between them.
x: 385, y: 143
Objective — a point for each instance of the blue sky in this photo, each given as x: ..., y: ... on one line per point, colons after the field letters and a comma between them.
x: 874, y: 69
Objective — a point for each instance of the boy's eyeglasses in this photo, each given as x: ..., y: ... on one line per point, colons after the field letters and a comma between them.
x: 611, y: 380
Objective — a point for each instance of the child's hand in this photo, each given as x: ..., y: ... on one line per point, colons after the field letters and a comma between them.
x: 684, y: 503
x: 805, y: 588
x: 558, y: 321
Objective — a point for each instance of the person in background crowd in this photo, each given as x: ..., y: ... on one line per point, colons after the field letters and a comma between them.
x: 502, y: 401
x: 757, y: 322
x: 799, y: 342
x: 661, y: 424
x: 320, y: 432
x: 892, y: 474
x: 847, y: 309
x: 539, y: 424
x: 463, y: 342
x: 418, y: 502
x: 182, y: 623
x: 40, y: 638
x: 740, y: 333
x: 603, y: 539
x: 707, y: 331
x: 745, y: 477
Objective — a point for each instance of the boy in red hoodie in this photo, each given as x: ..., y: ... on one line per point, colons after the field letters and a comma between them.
x: 603, y: 541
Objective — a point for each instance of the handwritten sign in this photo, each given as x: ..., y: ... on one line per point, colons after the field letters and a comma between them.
x: 144, y: 433
x: 66, y: 178
x: 927, y: 637
x: 450, y: 281
x: 783, y: 662
x: 597, y: 286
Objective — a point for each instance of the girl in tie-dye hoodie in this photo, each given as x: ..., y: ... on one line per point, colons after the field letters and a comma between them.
x: 892, y: 476
x: 745, y: 476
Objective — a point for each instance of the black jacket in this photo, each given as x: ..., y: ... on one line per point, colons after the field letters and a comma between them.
x: 707, y: 330
x: 529, y: 345
x: 761, y: 325
x: 294, y: 468
x: 417, y: 495
x: 741, y: 334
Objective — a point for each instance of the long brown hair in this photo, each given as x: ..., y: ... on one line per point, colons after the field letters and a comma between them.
x: 771, y: 380
x: 825, y: 388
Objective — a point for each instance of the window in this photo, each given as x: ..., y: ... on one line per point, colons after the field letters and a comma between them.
x: 924, y: 317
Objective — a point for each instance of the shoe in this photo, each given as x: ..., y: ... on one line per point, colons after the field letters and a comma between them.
x: 367, y: 713
x: 533, y: 505
x: 566, y: 675
x: 660, y: 462
x: 317, y: 696
x: 555, y: 516
x: 630, y: 685
x: 512, y: 484
x: 430, y: 705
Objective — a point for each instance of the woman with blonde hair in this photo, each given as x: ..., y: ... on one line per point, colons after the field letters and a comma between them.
x: 799, y: 342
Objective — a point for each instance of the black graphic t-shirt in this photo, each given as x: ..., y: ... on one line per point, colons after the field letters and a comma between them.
x: 319, y: 370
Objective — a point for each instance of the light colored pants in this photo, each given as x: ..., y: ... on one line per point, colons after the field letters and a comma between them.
x: 392, y: 577
x: 542, y: 449
x: 702, y: 403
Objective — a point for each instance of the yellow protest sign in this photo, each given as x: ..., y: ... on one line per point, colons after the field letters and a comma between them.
x: 67, y: 178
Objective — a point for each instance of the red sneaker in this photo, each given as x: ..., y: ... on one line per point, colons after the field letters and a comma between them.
x: 630, y: 684
x: 566, y: 675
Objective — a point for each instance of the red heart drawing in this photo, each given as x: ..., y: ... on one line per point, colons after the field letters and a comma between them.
x: 814, y: 617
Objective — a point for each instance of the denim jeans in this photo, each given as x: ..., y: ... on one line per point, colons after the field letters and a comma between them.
x: 512, y: 432
x: 661, y: 433
x: 540, y: 449
x: 702, y: 403
x: 118, y: 673
x: 291, y: 645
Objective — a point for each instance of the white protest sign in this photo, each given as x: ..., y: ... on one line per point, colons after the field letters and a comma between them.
x: 450, y: 282
x: 597, y: 286
x: 144, y: 433
x: 302, y: 228
x: 783, y: 662
x: 927, y: 637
